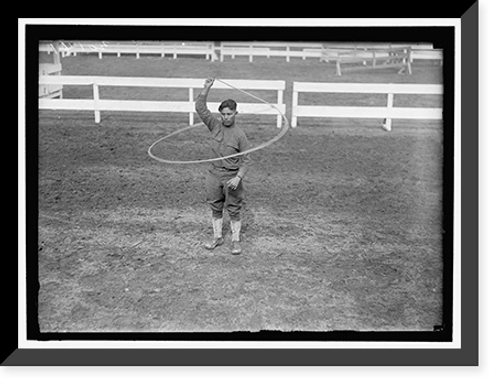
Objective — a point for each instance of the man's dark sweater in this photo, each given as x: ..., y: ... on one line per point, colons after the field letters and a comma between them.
x: 225, y: 141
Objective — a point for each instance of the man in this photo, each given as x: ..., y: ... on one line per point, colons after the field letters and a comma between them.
x: 224, y: 179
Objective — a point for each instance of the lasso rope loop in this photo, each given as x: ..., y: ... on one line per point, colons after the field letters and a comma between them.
x: 282, y: 133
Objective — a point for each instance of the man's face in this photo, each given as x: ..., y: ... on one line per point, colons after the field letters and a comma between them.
x: 228, y: 116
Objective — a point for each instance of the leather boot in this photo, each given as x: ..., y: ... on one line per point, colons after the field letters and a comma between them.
x: 235, y: 229
x: 218, y: 239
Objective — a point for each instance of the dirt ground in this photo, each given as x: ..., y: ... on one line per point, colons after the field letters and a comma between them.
x: 342, y: 221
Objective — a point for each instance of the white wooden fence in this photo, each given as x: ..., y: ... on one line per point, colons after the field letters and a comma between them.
x: 175, y: 49
x: 209, y: 50
x: 97, y: 104
x: 395, y: 57
x: 388, y: 113
x: 422, y: 52
x: 317, y: 50
x: 270, y: 49
x: 52, y: 90
x: 429, y: 54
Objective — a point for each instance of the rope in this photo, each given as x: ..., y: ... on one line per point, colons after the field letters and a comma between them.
x: 282, y: 133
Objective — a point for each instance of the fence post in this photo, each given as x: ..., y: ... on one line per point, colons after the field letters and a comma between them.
x: 97, y: 112
x: 280, y: 101
x: 339, y: 71
x: 191, y: 100
x: 211, y: 52
x: 408, y: 61
x: 388, y: 121
x: 295, y: 102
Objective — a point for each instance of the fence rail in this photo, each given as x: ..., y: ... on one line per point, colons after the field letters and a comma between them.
x: 270, y: 49
x: 97, y: 104
x: 175, y: 49
x: 387, y: 113
x: 395, y: 57
x: 209, y: 49
x: 317, y: 50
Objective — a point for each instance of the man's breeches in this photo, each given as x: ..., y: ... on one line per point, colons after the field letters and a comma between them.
x: 219, y: 193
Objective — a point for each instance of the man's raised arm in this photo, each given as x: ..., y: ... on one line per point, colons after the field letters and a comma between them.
x: 201, y: 105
